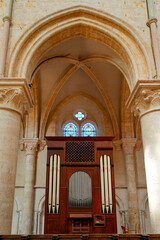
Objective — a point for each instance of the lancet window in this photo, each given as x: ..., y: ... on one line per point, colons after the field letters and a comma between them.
x: 70, y: 129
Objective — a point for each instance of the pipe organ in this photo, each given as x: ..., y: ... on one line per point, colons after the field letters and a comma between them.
x: 80, y: 193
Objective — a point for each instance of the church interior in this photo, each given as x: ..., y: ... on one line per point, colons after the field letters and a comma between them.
x: 79, y: 117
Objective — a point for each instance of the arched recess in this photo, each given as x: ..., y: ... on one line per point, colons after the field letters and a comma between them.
x: 59, y: 85
x: 63, y: 103
x: 80, y: 21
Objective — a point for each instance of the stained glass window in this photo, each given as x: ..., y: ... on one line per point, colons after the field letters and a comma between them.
x: 88, y: 129
x: 79, y: 116
x: 70, y: 129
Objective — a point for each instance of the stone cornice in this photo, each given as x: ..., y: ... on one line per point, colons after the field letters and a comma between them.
x: 15, y: 95
x: 145, y: 97
x: 31, y: 145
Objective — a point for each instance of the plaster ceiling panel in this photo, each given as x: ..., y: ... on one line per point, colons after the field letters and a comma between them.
x: 47, y: 77
x: 80, y: 48
x: 79, y: 82
x: 111, y: 79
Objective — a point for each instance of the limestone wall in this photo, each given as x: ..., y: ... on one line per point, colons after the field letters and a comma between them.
x: 27, y: 12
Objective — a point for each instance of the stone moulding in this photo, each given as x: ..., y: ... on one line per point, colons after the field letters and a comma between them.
x: 79, y: 21
x: 15, y: 95
x: 145, y: 97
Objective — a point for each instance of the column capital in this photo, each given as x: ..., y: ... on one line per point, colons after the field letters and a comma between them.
x: 151, y: 20
x: 31, y: 145
x: 117, y: 144
x: 7, y: 18
x: 128, y: 145
x: 15, y: 95
x: 145, y: 97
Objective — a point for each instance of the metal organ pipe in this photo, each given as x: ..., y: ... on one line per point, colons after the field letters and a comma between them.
x: 50, y: 184
x: 110, y: 184
x: 102, y: 184
x: 54, y: 184
x: 106, y: 184
x: 58, y: 184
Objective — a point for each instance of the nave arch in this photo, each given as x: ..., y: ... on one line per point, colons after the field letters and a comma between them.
x: 85, y: 22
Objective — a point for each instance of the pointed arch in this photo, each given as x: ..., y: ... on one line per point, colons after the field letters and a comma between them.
x: 61, y: 82
x: 86, y: 22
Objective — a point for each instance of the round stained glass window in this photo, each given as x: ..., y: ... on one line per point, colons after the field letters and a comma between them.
x: 79, y: 115
x: 70, y: 129
x: 88, y: 129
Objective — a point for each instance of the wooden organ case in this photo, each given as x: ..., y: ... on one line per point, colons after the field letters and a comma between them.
x: 80, y: 192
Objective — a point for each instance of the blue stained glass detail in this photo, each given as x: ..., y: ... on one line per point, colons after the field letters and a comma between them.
x: 79, y: 116
x: 88, y: 129
x: 70, y: 129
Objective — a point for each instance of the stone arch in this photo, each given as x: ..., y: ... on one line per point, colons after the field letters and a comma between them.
x: 86, y: 22
x: 16, y: 217
x: 40, y: 219
x: 119, y: 202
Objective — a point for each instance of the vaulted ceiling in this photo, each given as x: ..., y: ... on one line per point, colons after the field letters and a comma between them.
x: 76, y: 69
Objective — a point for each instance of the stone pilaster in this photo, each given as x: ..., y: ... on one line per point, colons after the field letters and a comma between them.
x: 31, y: 147
x: 15, y: 99
x: 128, y: 145
x: 145, y: 101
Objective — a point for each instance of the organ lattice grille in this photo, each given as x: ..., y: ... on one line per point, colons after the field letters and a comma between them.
x: 106, y: 184
x: 54, y: 184
x: 79, y: 152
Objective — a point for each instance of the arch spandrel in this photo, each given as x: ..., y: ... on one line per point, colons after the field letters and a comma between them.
x: 85, y: 22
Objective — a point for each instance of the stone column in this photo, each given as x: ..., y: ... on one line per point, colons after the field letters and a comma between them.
x: 15, y: 99
x: 152, y: 24
x: 128, y: 145
x: 5, y: 40
x: 145, y: 100
x: 31, y: 146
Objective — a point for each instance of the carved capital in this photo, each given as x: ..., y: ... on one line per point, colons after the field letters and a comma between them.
x: 146, y: 101
x: 128, y: 145
x: 145, y: 97
x: 41, y: 145
x: 117, y: 144
x: 15, y: 95
x: 32, y: 145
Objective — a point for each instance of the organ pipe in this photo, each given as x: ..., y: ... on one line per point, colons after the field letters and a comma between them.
x: 110, y: 184
x: 58, y: 185
x: 106, y: 184
x: 50, y: 183
x: 102, y: 184
x: 54, y: 184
